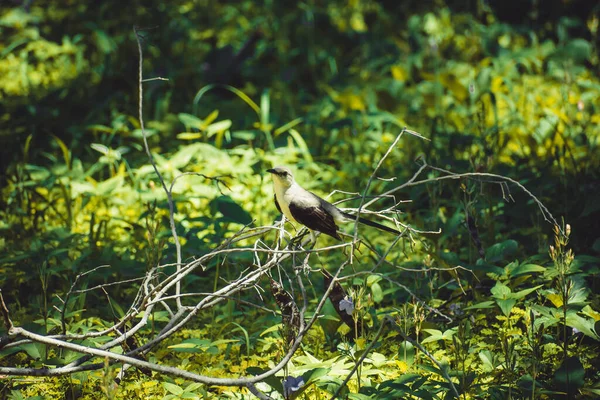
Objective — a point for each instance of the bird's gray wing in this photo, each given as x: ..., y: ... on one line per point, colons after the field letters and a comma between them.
x: 315, y: 218
x: 277, y: 203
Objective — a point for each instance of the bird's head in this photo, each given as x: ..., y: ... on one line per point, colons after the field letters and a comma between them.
x: 282, y: 175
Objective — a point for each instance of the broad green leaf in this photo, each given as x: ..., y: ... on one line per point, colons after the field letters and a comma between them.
x: 371, y: 279
x: 590, y: 312
x: 489, y: 361
x: 522, y: 293
x: 108, y: 186
x: 526, y: 269
x: 506, y: 305
x: 570, y: 376
x: 556, y: 299
x: 314, y: 374
x: 172, y: 388
x: 274, y: 328
x: 190, y: 121
x: 584, y: 325
x: 218, y: 127
x: 377, y: 293
x: 501, y: 251
x: 193, y: 386
x: 378, y: 359
x: 500, y: 291
x: 100, y: 148
x: 231, y: 210
x: 436, y: 335
x: 406, y: 352
x: 34, y: 350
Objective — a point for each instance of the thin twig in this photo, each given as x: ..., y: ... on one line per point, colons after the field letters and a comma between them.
x: 151, y: 159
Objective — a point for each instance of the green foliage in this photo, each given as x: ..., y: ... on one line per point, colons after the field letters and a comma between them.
x: 325, y: 88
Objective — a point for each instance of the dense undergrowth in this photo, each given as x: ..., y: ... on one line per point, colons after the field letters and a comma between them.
x: 505, y: 299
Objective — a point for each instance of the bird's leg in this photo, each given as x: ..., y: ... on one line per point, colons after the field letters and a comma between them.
x: 305, y: 265
x: 281, y: 234
x: 296, y: 244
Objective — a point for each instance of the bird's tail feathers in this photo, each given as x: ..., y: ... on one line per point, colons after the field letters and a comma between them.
x: 371, y: 223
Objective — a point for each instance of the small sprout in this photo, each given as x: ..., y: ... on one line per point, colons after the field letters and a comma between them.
x: 347, y: 305
x: 568, y: 230
x: 292, y: 385
x: 552, y: 252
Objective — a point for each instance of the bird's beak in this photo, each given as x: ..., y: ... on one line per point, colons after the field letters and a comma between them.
x: 272, y: 171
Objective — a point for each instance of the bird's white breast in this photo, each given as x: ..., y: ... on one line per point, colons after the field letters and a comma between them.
x: 296, y: 194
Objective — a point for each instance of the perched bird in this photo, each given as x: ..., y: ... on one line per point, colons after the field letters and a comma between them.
x: 300, y: 205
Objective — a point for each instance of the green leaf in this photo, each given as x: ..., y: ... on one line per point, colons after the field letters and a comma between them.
x: 218, y: 127
x: 244, y: 135
x: 406, y: 352
x: 301, y: 144
x: 524, y: 269
x: 34, y: 350
x: 483, y: 304
x: 506, y: 305
x: 189, y: 135
x: 190, y: 121
x: 579, y: 50
x: 584, y: 325
x: 500, y: 291
x: 377, y: 293
x: 108, y: 186
x: 65, y: 151
x: 100, y: 148
x: 371, y: 279
x: 265, y: 106
x: 522, y: 293
x: 569, y: 376
x: 501, y: 251
x: 172, y: 388
x: 192, y: 346
x: 287, y: 126
x: 238, y: 92
x: 489, y: 361
x: 436, y: 335
x: 231, y: 211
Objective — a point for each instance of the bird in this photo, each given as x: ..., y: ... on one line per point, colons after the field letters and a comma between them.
x: 304, y: 207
